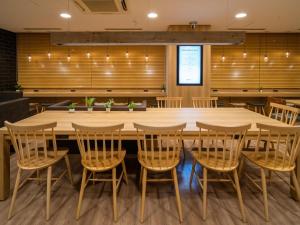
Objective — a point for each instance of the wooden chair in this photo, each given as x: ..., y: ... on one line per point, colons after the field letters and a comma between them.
x: 34, y: 153
x: 218, y: 150
x: 278, y: 157
x: 169, y: 102
x: 205, y: 102
x: 159, y: 152
x: 101, y: 150
x: 284, y: 113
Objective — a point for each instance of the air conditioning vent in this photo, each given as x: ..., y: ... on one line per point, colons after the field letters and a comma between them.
x: 102, y: 6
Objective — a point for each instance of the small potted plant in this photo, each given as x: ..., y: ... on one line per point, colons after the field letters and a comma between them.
x: 108, y: 105
x: 18, y: 87
x: 90, y: 103
x: 131, y: 106
x: 71, y: 107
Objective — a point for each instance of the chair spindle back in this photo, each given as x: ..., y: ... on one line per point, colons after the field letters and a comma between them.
x: 284, y: 113
x: 32, y: 143
x: 282, y: 145
x: 98, y: 143
x: 205, y: 102
x: 159, y: 143
x: 169, y: 102
x: 222, y: 145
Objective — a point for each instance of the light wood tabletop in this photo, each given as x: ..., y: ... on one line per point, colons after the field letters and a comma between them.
x: 294, y: 101
x: 153, y: 116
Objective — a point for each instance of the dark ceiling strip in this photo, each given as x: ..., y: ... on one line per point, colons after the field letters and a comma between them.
x: 142, y: 37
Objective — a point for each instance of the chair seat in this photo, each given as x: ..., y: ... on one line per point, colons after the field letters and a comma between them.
x: 42, y: 162
x: 271, y: 164
x: 214, y: 163
x: 102, y: 164
x: 158, y: 164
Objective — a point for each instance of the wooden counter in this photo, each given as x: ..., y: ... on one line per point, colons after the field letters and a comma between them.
x: 255, y: 93
x: 91, y: 92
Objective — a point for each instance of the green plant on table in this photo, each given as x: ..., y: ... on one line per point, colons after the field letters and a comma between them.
x: 72, y: 105
x: 90, y: 102
x: 18, y: 87
x: 131, y: 105
x: 109, y: 103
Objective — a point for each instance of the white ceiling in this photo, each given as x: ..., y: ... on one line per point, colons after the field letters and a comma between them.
x: 274, y: 15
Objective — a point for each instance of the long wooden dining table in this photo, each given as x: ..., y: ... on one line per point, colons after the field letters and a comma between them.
x: 153, y: 116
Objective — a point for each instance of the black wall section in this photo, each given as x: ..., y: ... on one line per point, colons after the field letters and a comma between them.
x: 8, y: 66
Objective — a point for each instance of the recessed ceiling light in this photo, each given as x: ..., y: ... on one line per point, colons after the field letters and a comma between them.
x: 65, y: 15
x: 240, y: 15
x: 152, y: 15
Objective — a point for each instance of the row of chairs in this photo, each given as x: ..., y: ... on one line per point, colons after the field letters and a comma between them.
x: 217, y: 149
x: 176, y: 102
x: 284, y: 113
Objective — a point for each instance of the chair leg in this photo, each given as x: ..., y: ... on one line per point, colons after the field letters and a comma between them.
x: 69, y: 168
x: 144, y: 184
x: 124, y: 172
x: 265, y: 194
x: 192, y: 172
x: 239, y: 194
x: 83, y: 180
x: 141, y: 177
x: 38, y: 176
x: 241, y: 167
x: 296, y: 184
x: 94, y: 177
x: 49, y: 179
x: 114, y: 185
x: 178, y: 201
x: 204, y: 193
x: 13, y: 200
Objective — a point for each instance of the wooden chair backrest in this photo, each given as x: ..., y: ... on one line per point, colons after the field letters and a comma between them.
x: 98, y: 143
x: 205, y: 102
x: 169, y: 102
x: 286, y: 143
x: 284, y: 113
x: 216, y: 141
x: 30, y: 142
x: 159, y: 143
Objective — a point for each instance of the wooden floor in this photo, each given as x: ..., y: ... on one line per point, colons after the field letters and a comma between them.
x: 160, y: 202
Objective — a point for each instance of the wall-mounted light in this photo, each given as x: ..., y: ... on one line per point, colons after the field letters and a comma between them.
x: 107, y: 57
x: 49, y: 55
x: 287, y: 54
x: 266, y: 58
x: 223, y: 58
x: 146, y: 57
x: 127, y: 54
x: 88, y: 55
x: 244, y: 54
x: 69, y: 58
x: 29, y: 58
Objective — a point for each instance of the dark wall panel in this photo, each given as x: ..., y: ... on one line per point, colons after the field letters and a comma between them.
x: 8, y: 74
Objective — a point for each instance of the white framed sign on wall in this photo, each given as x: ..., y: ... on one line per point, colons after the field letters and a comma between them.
x: 190, y: 65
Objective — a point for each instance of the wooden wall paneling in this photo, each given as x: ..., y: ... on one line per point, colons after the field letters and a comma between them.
x: 252, y: 71
x: 134, y: 72
x: 187, y: 92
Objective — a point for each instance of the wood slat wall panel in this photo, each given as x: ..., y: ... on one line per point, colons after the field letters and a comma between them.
x: 252, y: 71
x: 83, y: 72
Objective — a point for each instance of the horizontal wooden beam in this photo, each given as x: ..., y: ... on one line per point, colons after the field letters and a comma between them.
x: 141, y: 38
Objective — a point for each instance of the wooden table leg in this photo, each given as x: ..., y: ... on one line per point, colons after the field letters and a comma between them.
x: 4, y: 168
x: 297, y: 171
